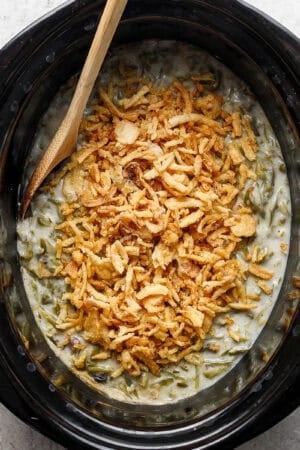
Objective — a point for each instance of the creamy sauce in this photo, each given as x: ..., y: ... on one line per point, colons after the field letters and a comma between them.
x: 162, y: 62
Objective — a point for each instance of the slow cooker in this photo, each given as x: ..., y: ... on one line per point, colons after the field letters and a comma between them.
x: 258, y: 391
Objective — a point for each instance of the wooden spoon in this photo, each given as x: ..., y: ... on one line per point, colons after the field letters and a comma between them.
x: 64, y: 142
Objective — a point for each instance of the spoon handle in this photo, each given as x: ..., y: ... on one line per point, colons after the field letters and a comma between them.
x: 64, y: 141
x: 106, y: 29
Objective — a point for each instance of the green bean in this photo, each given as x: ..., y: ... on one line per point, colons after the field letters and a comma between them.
x: 184, y: 367
x: 211, y: 373
x: 173, y: 395
x: 282, y: 168
x: 144, y: 379
x: 96, y: 369
x: 44, y: 221
x: 197, y: 377
x: 217, y: 362
x: 28, y: 252
x: 182, y: 384
x: 166, y: 381
x: 46, y: 299
x: 48, y: 317
x: 34, y: 286
x: 236, y: 350
x: 128, y: 379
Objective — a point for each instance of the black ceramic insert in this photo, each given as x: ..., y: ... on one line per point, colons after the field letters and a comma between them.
x: 255, y: 394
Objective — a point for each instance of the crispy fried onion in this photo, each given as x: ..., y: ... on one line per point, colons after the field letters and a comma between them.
x: 151, y: 223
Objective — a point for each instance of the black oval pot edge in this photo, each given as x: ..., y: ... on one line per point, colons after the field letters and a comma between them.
x: 10, y: 393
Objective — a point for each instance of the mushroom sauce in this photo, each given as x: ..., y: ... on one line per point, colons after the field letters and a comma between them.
x: 162, y: 62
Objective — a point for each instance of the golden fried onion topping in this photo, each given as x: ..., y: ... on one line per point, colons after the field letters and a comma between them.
x: 152, y: 219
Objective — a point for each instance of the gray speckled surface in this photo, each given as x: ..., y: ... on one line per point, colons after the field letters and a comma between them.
x: 14, y: 435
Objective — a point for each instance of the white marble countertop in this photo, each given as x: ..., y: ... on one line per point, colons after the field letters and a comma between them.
x: 14, y: 435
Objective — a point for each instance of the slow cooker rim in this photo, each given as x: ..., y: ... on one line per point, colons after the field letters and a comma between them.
x: 59, y: 9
